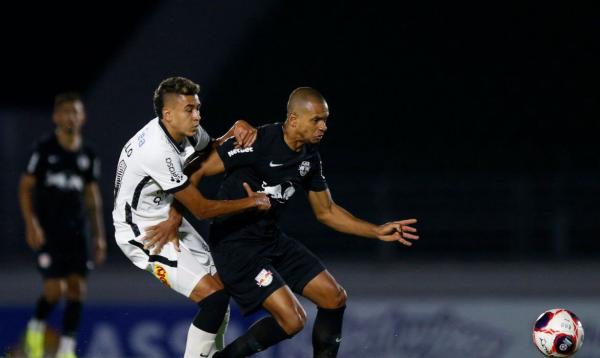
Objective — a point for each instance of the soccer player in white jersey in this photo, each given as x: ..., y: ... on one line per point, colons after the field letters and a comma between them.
x: 149, y: 177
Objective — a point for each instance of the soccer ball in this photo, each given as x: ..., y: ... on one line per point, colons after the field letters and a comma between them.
x: 558, y: 333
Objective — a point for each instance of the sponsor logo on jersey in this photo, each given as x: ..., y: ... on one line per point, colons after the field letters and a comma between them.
x: 175, y: 177
x: 280, y: 192
x: 120, y: 172
x: 304, y: 168
x: 64, y: 181
x: 161, y: 274
x: 52, y: 159
x: 273, y: 165
x: 235, y: 151
x: 264, y: 278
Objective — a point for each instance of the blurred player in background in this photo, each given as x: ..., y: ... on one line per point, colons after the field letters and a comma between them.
x: 59, y: 198
x: 149, y: 178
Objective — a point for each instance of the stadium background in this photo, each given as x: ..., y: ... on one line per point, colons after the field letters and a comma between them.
x: 481, y: 121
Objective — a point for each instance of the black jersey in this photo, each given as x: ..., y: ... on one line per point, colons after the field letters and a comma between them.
x: 61, y: 177
x: 270, y: 167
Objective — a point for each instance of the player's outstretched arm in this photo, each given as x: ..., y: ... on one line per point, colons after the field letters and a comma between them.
x: 339, y: 219
x: 203, y: 208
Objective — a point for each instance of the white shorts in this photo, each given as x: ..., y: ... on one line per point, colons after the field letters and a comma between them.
x: 180, y: 271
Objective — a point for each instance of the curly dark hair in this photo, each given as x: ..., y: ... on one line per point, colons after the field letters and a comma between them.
x: 173, y: 85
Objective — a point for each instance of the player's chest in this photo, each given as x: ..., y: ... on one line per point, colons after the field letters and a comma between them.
x: 65, y: 171
x: 76, y: 163
x: 277, y: 169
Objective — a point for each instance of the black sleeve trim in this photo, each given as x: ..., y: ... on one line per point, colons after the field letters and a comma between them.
x: 178, y: 188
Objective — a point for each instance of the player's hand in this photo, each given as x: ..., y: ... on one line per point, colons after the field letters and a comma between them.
x: 99, y: 250
x: 261, y: 200
x: 34, y: 235
x: 244, y: 134
x: 159, y: 235
x: 401, y: 231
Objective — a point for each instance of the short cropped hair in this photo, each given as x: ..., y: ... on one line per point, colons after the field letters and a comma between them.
x: 173, y: 85
x: 66, y: 97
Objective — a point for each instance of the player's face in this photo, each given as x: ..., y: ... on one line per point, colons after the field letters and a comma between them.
x: 312, y: 122
x: 184, y: 114
x: 69, y: 116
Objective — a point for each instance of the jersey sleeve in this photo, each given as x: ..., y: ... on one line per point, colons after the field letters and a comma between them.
x: 165, y: 169
x: 316, y: 179
x: 37, y: 163
x: 233, y: 157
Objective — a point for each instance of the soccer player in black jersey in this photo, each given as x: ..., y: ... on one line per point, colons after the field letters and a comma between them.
x: 260, y: 265
x: 59, y: 196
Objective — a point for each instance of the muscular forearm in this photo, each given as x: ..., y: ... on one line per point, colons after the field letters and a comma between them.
x: 341, y: 220
x: 213, y: 208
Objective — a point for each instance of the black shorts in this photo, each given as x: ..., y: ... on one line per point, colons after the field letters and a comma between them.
x: 56, y: 262
x: 251, y: 270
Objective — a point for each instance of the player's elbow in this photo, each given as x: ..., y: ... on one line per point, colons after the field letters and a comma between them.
x: 324, y: 217
x: 202, y: 214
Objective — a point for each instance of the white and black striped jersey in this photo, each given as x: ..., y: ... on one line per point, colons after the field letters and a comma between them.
x: 149, y: 171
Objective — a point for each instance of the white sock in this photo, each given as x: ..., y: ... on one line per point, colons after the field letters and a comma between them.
x: 199, y: 343
x: 66, y: 345
x: 36, y: 325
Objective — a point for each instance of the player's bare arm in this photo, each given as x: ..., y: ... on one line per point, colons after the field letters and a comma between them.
x: 339, y: 219
x: 34, y: 235
x: 158, y: 235
x: 93, y: 203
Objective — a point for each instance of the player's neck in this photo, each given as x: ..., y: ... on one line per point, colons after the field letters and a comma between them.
x: 70, y: 141
x: 176, y: 136
x: 294, y: 142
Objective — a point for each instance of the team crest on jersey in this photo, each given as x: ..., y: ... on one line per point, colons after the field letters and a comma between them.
x: 161, y: 274
x: 280, y: 192
x: 83, y: 162
x: 304, y: 168
x: 264, y: 278
x: 44, y: 260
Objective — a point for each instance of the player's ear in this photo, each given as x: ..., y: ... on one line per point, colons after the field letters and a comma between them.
x: 166, y: 114
x: 292, y: 119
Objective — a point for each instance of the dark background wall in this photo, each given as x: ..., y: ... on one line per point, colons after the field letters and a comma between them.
x: 481, y: 120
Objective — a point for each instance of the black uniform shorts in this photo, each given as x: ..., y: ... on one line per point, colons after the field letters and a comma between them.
x: 58, y: 259
x: 251, y: 270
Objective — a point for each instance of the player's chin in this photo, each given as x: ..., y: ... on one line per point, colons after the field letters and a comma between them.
x: 192, y: 132
x: 317, y: 139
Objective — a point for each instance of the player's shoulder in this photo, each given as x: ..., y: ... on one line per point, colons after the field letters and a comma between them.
x: 152, y: 138
x: 45, y: 142
x: 270, y: 128
x: 269, y: 132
